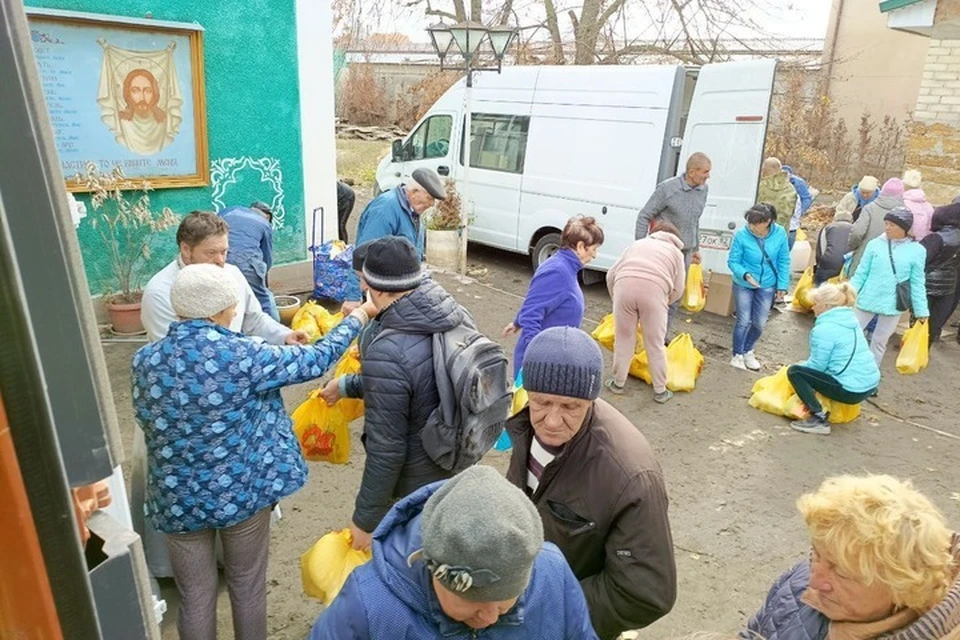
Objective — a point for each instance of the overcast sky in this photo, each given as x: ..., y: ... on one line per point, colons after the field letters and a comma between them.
x: 794, y: 18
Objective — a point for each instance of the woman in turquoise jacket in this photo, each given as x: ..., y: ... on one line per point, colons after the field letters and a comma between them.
x: 840, y: 366
x: 888, y: 259
x: 760, y: 262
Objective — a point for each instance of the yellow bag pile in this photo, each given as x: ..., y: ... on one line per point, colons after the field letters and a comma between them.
x: 684, y: 364
x: 914, y: 349
x: 322, y: 430
x: 694, y: 293
x: 315, y: 320
x: 605, y: 333
x: 324, y: 569
x: 774, y: 394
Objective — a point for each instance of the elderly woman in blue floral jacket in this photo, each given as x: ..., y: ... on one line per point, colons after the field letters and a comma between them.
x: 220, y: 447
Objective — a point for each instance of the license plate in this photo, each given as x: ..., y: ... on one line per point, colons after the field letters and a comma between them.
x: 720, y: 240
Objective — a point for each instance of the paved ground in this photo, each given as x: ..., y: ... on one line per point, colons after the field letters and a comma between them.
x: 733, y: 473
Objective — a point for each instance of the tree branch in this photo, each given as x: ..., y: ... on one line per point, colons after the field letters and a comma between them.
x: 612, y: 9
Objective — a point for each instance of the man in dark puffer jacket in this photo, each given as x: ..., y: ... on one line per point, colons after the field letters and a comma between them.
x: 943, y: 262
x: 399, y: 388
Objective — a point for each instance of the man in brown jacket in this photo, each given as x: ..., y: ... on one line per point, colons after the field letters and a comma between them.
x: 596, y: 483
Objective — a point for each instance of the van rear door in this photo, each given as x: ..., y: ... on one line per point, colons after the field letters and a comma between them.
x: 728, y: 121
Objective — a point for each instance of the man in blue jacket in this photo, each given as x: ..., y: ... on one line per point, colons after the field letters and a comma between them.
x: 397, y: 212
x: 460, y: 559
x: 251, y: 249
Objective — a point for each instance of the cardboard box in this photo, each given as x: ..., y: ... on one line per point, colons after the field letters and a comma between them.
x: 720, y: 294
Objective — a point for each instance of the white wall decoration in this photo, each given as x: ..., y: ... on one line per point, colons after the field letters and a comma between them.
x: 224, y: 172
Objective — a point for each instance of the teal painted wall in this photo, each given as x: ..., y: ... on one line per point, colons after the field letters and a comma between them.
x: 252, y: 101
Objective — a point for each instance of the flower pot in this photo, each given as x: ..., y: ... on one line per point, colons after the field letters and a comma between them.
x: 125, y: 318
x: 443, y: 249
x: 288, y: 307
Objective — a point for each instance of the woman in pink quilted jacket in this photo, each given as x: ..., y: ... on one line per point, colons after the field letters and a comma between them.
x: 915, y: 200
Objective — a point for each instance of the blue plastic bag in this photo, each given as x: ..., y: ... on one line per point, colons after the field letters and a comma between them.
x: 503, y: 442
x: 333, y: 276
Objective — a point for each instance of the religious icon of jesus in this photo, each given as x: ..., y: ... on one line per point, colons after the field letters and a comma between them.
x: 140, y: 105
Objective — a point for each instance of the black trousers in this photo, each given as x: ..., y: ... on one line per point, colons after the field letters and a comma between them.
x: 807, y: 382
x: 345, y: 199
x: 941, y: 308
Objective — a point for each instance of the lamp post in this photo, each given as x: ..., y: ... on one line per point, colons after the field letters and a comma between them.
x: 466, y: 39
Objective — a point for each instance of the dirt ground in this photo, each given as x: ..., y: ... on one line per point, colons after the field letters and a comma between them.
x: 733, y: 473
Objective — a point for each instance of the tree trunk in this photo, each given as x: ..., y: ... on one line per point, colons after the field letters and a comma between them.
x: 553, y: 25
x: 587, y: 33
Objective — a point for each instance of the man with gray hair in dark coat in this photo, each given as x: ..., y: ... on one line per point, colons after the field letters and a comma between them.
x: 596, y: 482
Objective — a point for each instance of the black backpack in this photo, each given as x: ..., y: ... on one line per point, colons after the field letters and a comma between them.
x: 475, y: 396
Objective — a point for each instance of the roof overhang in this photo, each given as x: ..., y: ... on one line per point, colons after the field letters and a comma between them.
x: 914, y: 16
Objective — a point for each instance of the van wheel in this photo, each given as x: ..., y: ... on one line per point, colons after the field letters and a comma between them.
x: 545, y: 247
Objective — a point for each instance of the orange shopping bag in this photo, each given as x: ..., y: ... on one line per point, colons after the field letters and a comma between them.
x: 322, y: 431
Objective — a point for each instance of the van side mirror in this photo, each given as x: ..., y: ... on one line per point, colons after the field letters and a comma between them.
x: 397, y: 150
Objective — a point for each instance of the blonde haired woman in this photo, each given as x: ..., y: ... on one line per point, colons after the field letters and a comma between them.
x: 883, y: 565
x: 841, y: 366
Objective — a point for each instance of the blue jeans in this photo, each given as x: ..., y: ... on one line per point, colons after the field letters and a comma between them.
x: 255, y: 271
x: 753, y: 309
x: 791, y: 239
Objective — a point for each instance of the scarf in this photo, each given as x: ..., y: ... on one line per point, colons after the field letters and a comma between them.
x: 942, y: 622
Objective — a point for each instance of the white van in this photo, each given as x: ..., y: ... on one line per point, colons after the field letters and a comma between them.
x: 552, y: 142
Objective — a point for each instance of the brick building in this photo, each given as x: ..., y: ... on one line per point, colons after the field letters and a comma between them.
x: 934, y: 145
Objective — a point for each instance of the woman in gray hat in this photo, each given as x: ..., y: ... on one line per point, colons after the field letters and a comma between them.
x: 889, y: 260
x: 458, y: 559
x: 220, y: 447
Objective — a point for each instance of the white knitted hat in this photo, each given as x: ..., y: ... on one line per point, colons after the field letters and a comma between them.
x: 912, y: 179
x: 203, y: 291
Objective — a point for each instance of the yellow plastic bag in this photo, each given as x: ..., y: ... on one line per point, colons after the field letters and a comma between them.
x: 801, y: 236
x: 840, y: 413
x: 349, y: 364
x: 684, y: 364
x: 914, y: 349
x: 694, y: 294
x: 520, y: 400
x: 801, y: 297
x: 605, y: 333
x: 315, y: 320
x: 774, y: 394
x: 322, y: 431
x: 324, y: 569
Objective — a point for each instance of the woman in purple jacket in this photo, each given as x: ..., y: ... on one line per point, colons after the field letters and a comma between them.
x: 554, y: 298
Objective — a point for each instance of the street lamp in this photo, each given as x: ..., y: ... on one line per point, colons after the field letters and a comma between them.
x: 466, y: 38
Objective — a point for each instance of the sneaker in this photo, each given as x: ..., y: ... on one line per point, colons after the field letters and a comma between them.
x: 663, y: 397
x: 738, y: 363
x: 614, y: 388
x: 815, y: 424
x: 750, y: 361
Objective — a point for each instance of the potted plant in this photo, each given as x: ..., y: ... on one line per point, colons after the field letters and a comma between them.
x: 127, y: 226
x: 443, y: 230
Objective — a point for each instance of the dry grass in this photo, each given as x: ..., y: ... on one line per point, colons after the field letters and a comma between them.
x: 357, y: 159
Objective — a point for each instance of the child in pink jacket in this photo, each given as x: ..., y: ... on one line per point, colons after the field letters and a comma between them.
x: 915, y: 200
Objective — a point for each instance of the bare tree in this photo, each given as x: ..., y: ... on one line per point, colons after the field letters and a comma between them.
x: 615, y: 31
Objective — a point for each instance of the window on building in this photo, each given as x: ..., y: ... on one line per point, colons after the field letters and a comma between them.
x: 431, y: 139
x: 498, y: 142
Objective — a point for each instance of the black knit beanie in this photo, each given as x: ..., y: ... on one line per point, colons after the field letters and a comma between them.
x: 392, y: 265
